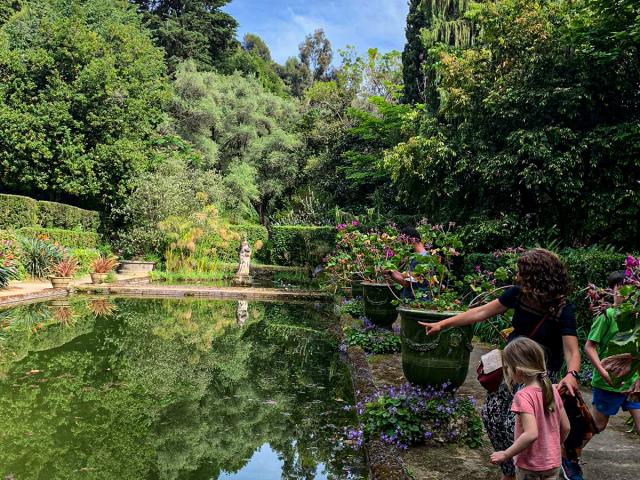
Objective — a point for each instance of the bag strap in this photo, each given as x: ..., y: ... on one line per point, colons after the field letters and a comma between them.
x: 541, y: 322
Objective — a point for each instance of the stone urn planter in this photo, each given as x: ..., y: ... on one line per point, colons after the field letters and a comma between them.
x: 60, y: 282
x: 98, y: 278
x: 433, y: 360
x: 135, y: 266
x: 378, y: 304
x: 356, y: 286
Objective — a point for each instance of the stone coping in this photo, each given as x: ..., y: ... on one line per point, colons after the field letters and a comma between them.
x: 179, y: 291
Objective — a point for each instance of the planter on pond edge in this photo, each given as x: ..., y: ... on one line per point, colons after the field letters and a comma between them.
x: 433, y: 360
x: 98, y: 278
x: 60, y: 282
x: 378, y: 304
x: 135, y: 266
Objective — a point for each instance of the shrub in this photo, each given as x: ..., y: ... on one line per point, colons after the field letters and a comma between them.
x: 485, y: 235
x: 17, y: 211
x: 300, y: 245
x: 59, y: 215
x: 40, y: 257
x: 353, y: 307
x: 66, y: 238
x: 84, y: 257
x: 66, y: 268
x: 104, y: 264
x: 374, y: 340
x: 410, y: 415
x: 8, y: 264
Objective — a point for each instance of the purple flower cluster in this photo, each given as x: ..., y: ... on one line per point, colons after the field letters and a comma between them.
x: 406, y: 415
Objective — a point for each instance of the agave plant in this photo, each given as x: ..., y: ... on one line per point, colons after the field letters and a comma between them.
x: 66, y: 268
x: 104, y: 264
x: 40, y: 257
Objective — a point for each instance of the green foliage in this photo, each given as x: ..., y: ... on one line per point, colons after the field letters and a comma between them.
x: 85, y: 258
x: 409, y: 415
x: 190, y: 29
x: 430, y: 23
x: 354, y: 307
x: 591, y: 265
x: 40, y: 257
x: 300, y: 245
x: 9, y: 269
x: 376, y: 341
x: 17, y: 211
x: 83, y: 87
x: 316, y: 54
x: 66, y: 238
x: 244, y: 131
x: 59, y: 215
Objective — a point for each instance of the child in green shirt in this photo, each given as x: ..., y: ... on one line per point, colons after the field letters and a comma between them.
x: 609, y: 396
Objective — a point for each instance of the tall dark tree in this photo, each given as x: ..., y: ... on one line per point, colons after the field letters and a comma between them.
x: 296, y: 75
x: 316, y: 54
x: 430, y: 23
x: 191, y: 29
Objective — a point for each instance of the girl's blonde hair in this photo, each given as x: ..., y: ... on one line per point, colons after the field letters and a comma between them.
x: 527, y: 356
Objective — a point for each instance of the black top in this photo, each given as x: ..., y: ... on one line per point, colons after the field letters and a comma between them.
x: 549, y: 335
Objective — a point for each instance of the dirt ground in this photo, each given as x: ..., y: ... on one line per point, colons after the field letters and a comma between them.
x: 612, y: 455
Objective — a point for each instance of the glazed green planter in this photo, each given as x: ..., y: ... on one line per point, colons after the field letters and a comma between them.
x: 356, y: 286
x: 378, y: 304
x: 433, y: 360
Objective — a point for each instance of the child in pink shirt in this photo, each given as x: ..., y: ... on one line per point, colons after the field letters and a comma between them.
x: 542, y: 424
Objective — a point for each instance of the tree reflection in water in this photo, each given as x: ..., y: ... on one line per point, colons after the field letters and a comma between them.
x: 167, y: 389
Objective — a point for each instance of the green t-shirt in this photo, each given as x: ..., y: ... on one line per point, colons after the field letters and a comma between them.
x: 603, y: 329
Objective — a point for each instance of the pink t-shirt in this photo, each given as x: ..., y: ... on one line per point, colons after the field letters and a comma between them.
x: 544, y: 453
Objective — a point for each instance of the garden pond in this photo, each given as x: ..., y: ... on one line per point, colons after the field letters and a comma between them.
x: 122, y: 388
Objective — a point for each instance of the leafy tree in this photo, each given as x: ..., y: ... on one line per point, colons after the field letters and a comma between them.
x: 538, y: 119
x: 191, y: 29
x: 296, y: 75
x: 254, y: 44
x: 8, y: 8
x: 233, y: 120
x: 316, y: 54
x: 83, y: 88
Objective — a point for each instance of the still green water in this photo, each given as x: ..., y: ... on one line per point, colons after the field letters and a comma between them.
x: 138, y: 389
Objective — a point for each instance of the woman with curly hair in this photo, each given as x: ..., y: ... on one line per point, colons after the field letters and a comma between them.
x: 540, y: 312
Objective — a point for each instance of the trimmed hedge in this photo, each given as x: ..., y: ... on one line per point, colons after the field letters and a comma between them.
x: 66, y: 238
x: 253, y: 233
x: 300, y: 245
x: 18, y: 212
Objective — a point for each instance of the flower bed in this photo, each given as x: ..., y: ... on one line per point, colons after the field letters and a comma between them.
x: 372, y: 339
x: 410, y: 415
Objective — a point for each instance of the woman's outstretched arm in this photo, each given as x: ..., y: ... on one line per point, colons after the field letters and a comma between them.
x: 474, y: 315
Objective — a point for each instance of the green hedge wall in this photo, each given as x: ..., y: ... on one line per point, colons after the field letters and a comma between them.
x: 300, y: 245
x: 17, y: 212
x: 66, y: 238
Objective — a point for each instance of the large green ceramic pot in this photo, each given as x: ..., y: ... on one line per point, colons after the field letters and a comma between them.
x: 356, y: 286
x: 433, y: 360
x: 378, y: 304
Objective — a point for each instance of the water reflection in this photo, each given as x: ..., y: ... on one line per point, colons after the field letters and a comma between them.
x: 164, y: 389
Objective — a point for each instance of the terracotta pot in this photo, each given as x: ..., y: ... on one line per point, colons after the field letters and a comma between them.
x: 60, y: 282
x: 378, y: 304
x: 98, y: 278
x: 433, y: 360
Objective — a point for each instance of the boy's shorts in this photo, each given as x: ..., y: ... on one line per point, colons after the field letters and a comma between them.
x: 609, y: 403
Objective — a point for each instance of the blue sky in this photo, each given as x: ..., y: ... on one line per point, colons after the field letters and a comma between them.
x: 283, y: 24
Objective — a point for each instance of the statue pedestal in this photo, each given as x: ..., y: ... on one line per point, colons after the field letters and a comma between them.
x: 242, y: 280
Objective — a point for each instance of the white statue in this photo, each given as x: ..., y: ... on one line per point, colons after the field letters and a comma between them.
x: 242, y: 312
x: 243, y: 275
